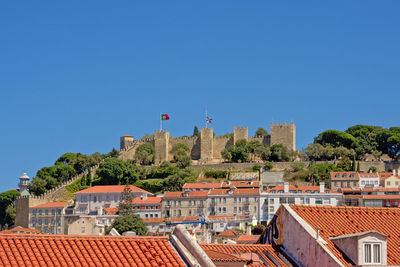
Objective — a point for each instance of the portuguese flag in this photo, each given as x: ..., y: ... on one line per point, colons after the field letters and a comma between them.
x: 164, y: 117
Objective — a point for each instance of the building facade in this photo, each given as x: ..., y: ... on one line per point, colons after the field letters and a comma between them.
x: 48, y: 218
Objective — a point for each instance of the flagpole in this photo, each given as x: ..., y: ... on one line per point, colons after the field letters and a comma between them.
x: 160, y: 122
x: 206, y: 120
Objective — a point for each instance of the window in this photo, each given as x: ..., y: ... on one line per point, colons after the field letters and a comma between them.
x: 234, y: 199
x: 388, y: 183
x: 345, y: 175
x: 318, y: 201
x: 59, y: 211
x: 234, y: 209
x: 46, y: 231
x: 52, y: 231
x: 53, y: 212
x: 146, y: 215
x: 156, y: 215
x: 116, y: 198
x: 363, y: 182
x: 224, y: 199
x: 190, y: 203
x: 40, y: 222
x: 34, y: 212
x: 151, y: 215
x: 59, y: 222
x: 46, y: 222
x: 372, y: 253
x: 33, y: 223
x: 53, y: 221
x: 83, y: 230
x: 224, y: 210
x: 307, y: 201
x: 40, y: 212
x: 396, y: 183
x: 94, y: 199
x: 100, y: 199
x: 108, y: 198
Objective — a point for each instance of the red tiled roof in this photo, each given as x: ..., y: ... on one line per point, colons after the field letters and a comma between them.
x: 201, y: 185
x: 154, y: 220
x: 110, y: 189
x: 218, y: 191
x: 149, y: 200
x: 250, y: 239
x: 217, y: 256
x: 303, y: 188
x: 241, y: 184
x: 110, y: 211
x: 381, y: 196
x: 20, y: 230
x: 67, y: 251
x: 242, y: 250
x: 51, y: 205
x: 228, y: 233
x: 333, y: 174
x: 172, y: 194
x: 237, y: 191
x: 198, y: 194
x: 184, y: 219
x: 220, y: 217
x: 336, y: 221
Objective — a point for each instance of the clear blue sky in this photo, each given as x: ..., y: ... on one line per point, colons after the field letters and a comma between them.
x: 76, y: 75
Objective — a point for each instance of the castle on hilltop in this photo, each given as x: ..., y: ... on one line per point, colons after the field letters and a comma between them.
x: 207, y: 148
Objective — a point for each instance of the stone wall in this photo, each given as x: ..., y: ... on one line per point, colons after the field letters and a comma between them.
x: 206, y: 144
x: 192, y: 141
x: 285, y: 134
x: 219, y: 144
x: 240, y: 133
x: 161, y: 145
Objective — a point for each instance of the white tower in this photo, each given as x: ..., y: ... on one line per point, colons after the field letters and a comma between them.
x: 23, y: 182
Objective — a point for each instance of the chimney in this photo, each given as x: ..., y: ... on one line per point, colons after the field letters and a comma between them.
x: 286, y: 187
x: 394, y: 172
x: 144, y: 197
x: 322, y: 187
x: 248, y: 230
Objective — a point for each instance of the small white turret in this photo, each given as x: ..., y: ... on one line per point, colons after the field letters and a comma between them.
x: 23, y: 182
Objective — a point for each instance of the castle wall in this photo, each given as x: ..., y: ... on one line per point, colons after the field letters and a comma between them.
x: 285, y: 134
x: 125, y: 141
x: 161, y: 145
x: 240, y: 133
x: 128, y: 153
x: 192, y: 141
x: 219, y: 144
x: 206, y: 144
x: 265, y: 140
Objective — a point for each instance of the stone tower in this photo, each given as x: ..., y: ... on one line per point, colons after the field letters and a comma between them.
x: 125, y: 141
x: 206, y: 144
x: 285, y: 134
x: 23, y: 182
x: 240, y: 133
x: 161, y: 145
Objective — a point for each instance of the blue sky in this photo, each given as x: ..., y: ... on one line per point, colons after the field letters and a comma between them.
x: 76, y: 75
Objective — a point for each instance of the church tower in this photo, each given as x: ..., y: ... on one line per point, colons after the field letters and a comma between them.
x: 23, y: 182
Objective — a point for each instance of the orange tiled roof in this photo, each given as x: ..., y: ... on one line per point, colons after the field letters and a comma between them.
x: 218, y: 191
x: 110, y: 189
x: 198, y: 194
x: 335, y: 221
x: 237, y: 191
x: 394, y: 197
x: 149, y: 200
x: 228, y: 233
x: 303, y: 188
x: 250, y: 239
x: 110, y: 211
x: 239, y: 250
x: 217, y: 256
x: 241, y: 184
x: 172, y: 194
x: 154, y: 220
x: 333, y: 175
x: 201, y: 185
x: 220, y: 217
x: 66, y: 251
x: 20, y: 230
x: 51, y: 205
x: 185, y: 219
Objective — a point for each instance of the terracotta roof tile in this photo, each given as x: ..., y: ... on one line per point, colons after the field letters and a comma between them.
x: 198, y: 194
x: 51, y: 205
x: 172, y: 194
x: 241, y: 184
x: 110, y: 189
x: 302, y: 188
x: 249, y: 239
x: 228, y: 233
x: 149, y: 200
x: 217, y: 256
x: 201, y: 185
x: 153, y: 220
x: 242, y: 250
x: 110, y: 211
x: 67, y: 251
x: 335, y: 221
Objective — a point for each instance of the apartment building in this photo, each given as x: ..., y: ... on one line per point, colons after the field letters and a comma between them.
x: 271, y: 200
x: 371, y: 197
x: 186, y: 203
x: 103, y: 196
x: 344, y: 180
x: 148, y: 207
x: 48, y: 218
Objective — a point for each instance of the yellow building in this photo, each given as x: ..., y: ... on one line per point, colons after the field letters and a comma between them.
x: 392, y: 182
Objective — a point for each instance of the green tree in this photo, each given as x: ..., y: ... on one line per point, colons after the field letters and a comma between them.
x: 147, y: 136
x: 6, y: 212
x: 226, y: 155
x: 268, y: 165
x: 37, y: 186
x: 113, y: 153
x: 145, y: 154
x: 315, y: 151
x: 298, y: 166
x: 264, y: 152
x: 344, y: 164
x: 113, y: 171
x: 126, y: 207
x: 279, y: 153
x: 372, y: 169
x: 336, y: 138
x: 358, y: 166
x: 181, y: 151
x: 196, y: 132
x: 262, y: 132
x: 129, y: 222
x: 256, y: 167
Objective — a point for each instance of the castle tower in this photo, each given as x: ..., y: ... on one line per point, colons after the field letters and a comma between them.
x: 23, y: 182
x: 125, y: 141
x: 240, y: 133
x: 206, y: 144
x: 161, y: 145
x: 285, y: 134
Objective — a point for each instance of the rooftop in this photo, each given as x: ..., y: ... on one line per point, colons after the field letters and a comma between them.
x: 301, y: 189
x: 249, y: 239
x: 149, y: 200
x: 110, y: 189
x: 51, y: 205
x: 337, y: 221
x: 68, y: 250
x: 201, y: 185
x: 20, y: 230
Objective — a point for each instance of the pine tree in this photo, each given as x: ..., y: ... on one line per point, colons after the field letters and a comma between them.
x: 358, y: 166
x: 353, y: 167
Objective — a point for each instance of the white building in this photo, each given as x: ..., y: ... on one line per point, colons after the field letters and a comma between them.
x: 271, y: 200
x: 369, y: 180
x: 99, y: 197
x: 148, y: 207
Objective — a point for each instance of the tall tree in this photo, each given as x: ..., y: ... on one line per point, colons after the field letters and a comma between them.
x: 145, y: 154
x: 126, y: 207
x: 196, y: 131
x: 262, y: 132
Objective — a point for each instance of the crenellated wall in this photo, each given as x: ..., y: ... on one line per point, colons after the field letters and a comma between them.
x: 161, y: 145
x: 206, y: 144
x: 285, y: 134
x: 192, y: 141
x: 240, y: 133
x: 219, y: 144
